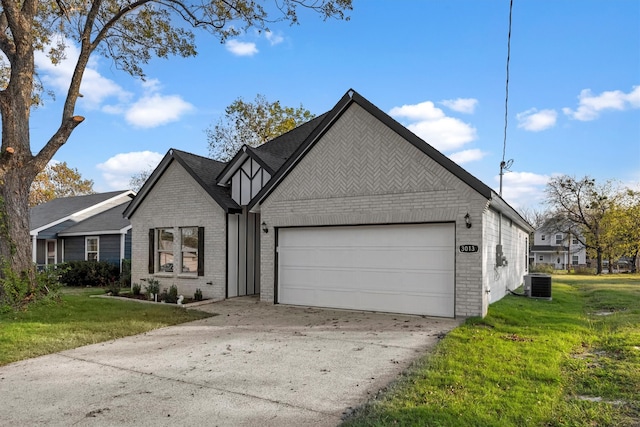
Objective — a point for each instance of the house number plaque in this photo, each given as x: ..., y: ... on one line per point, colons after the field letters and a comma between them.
x: 468, y: 248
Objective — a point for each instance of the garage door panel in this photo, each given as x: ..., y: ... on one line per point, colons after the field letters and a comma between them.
x: 374, y: 301
x: 399, y: 268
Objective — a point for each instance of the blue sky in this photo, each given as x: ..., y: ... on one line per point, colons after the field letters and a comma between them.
x: 438, y: 67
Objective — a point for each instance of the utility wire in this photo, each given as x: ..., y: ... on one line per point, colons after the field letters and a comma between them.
x: 506, y: 98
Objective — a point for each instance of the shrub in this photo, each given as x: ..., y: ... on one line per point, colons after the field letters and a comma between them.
x: 587, y: 271
x: 16, y: 290
x: 542, y: 268
x: 153, y: 288
x: 172, y: 295
x: 113, y: 288
x: 89, y: 273
x: 136, y: 289
x: 198, y: 295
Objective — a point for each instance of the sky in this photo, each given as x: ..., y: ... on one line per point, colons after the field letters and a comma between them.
x: 437, y: 67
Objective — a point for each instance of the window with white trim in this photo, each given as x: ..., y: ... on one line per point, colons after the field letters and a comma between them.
x: 558, y: 239
x: 541, y: 258
x: 542, y: 237
x: 92, y: 248
x: 574, y: 260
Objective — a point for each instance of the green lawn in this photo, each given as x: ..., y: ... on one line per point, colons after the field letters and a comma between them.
x: 79, y: 320
x: 572, y: 361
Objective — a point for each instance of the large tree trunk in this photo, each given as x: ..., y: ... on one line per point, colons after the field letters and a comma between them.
x: 15, y: 246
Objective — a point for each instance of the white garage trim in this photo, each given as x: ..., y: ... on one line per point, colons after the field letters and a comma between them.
x: 401, y: 268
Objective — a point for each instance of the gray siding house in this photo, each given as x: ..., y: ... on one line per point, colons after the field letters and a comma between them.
x: 350, y: 210
x: 90, y: 227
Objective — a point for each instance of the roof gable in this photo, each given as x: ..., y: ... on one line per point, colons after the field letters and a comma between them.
x: 203, y: 170
x: 330, y: 118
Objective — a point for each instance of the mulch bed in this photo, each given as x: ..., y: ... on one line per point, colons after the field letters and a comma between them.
x: 143, y: 297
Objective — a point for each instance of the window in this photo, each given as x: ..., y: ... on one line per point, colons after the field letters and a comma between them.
x: 92, y: 245
x: 558, y: 239
x: 574, y: 260
x: 165, y: 250
x: 575, y: 241
x: 543, y: 237
x: 541, y: 258
x: 165, y: 256
x: 51, y: 252
x: 189, y: 252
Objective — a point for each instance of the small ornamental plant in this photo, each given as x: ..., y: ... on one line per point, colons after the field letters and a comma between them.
x: 198, y: 295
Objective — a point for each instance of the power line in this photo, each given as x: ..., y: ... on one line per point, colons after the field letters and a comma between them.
x: 504, y: 165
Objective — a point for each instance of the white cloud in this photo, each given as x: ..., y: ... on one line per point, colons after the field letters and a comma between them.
x: 272, y: 38
x: 536, y: 121
x: 154, y: 109
x: 522, y: 189
x: 461, y: 105
x: 431, y: 124
x: 94, y: 88
x: 239, y: 48
x: 118, y: 170
x: 467, y: 156
x: 590, y: 106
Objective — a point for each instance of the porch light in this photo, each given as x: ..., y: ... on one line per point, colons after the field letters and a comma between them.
x: 264, y: 227
x: 467, y: 220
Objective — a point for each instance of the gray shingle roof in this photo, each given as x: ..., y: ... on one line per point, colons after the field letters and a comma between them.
x: 275, y: 152
x: 205, y: 171
x: 108, y: 221
x: 63, y: 207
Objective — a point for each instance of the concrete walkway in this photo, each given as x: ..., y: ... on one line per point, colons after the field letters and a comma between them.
x: 254, y: 364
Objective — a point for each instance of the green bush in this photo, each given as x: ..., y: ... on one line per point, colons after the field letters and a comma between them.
x: 198, y: 295
x: 16, y: 290
x: 89, y: 273
x: 153, y: 288
x: 136, y: 289
x: 586, y: 271
x: 542, y: 268
x: 172, y: 296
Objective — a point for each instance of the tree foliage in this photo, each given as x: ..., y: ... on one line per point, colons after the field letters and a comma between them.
x: 58, y: 180
x: 621, y: 226
x: 253, y: 124
x: 138, y: 179
x: 595, y: 214
x: 130, y: 32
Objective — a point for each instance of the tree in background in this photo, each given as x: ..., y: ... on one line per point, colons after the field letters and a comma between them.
x: 253, y: 124
x: 579, y: 208
x: 130, y: 33
x: 621, y: 226
x: 138, y: 179
x: 58, y: 180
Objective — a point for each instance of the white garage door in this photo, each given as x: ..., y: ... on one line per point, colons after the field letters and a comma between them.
x: 406, y: 268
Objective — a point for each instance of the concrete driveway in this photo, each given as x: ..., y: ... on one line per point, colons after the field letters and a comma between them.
x: 253, y: 364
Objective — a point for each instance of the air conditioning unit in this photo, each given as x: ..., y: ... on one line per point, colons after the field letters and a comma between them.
x: 537, y: 285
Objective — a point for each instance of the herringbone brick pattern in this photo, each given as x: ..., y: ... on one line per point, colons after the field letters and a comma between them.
x: 361, y: 156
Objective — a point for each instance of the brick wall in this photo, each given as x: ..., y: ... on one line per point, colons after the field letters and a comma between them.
x: 177, y: 200
x: 361, y: 172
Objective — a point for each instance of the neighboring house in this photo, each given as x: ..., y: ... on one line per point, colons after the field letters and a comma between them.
x: 90, y: 227
x: 557, y: 249
x: 350, y: 210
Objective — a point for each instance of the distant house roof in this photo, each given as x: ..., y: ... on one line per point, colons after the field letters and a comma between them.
x: 63, y: 209
x: 108, y: 222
